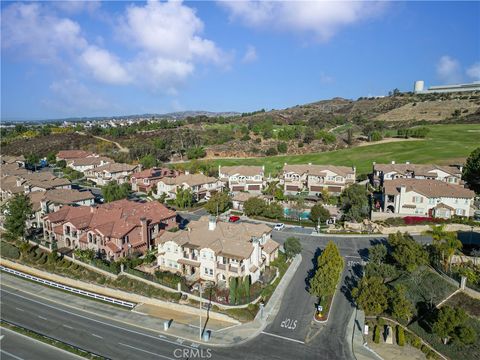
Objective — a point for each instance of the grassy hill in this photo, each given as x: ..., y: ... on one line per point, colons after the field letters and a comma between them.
x: 444, y: 144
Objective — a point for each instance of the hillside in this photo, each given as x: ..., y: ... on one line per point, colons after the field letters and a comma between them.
x: 317, y: 127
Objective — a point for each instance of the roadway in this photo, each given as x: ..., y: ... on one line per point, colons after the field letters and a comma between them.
x: 297, y: 338
x: 15, y: 346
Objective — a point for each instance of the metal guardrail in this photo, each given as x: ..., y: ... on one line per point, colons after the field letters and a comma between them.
x: 69, y: 288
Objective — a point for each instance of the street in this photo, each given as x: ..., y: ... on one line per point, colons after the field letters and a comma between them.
x: 292, y: 325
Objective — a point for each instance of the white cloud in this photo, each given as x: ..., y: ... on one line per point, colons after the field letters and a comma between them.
x: 474, y: 71
x: 76, y: 6
x: 168, y: 38
x: 320, y: 18
x: 30, y: 31
x: 104, y: 66
x: 326, y: 79
x: 250, y: 54
x: 70, y: 97
x: 449, y: 70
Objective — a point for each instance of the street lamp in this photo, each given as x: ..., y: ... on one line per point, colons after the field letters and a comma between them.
x: 200, y: 327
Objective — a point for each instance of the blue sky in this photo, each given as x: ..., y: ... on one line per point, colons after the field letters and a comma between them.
x: 69, y: 59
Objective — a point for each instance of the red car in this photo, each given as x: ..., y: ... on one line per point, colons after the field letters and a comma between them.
x: 234, y: 218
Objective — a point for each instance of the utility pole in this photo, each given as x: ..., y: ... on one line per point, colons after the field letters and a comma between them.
x: 200, y: 327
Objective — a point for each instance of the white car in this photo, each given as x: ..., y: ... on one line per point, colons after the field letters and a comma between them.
x: 279, y: 226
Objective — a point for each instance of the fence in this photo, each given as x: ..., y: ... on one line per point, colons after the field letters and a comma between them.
x: 69, y: 288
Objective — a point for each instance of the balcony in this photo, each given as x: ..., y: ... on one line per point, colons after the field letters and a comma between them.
x: 221, y: 266
x: 234, y: 269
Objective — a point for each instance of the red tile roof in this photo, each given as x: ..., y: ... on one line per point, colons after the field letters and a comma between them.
x: 73, y: 154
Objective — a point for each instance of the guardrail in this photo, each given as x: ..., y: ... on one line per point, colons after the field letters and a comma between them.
x: 69, y: 288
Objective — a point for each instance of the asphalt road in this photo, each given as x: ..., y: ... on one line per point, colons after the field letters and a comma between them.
x: 15, y: 346
x: 280, y: 340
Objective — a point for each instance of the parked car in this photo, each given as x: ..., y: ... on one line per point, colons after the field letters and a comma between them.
x: 234, y: 218
x: 279, y: 226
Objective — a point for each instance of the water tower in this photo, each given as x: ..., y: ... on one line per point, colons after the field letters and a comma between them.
x: 419, y: 85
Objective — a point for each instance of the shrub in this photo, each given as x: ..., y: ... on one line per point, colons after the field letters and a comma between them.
x: 9, y: 251
x: 376, y: 334
x: 400, y: 336
x: 271, y: 152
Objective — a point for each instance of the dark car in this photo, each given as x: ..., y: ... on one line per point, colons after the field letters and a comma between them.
x: 234, y: 218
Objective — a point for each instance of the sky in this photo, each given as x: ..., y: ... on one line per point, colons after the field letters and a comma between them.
x: 79, y: 59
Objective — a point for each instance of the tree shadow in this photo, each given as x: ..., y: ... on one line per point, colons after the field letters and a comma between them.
x: 427, y: 315
x: 351, y: 281
x: 311, y: 272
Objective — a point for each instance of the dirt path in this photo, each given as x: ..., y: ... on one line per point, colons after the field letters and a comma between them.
x: 118, y: 145
x: 384, y: 141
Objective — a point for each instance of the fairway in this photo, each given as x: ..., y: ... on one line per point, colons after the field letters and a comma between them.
x: 443, y: 143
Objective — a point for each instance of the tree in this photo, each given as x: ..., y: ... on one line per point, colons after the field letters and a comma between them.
x: 386, y: 271
x: 471, y: 171
x: 196, y: 152
x: 148, y: 161
x: 292, y: 247
x: 319, y: 214
x: 449, y: 322
x: 18, y: 211
x: 273, y: 211
x: 218, y: 203
x: 376, y: 136
x: 406, y: 252
x: 371, y: 295
x: 254, y: 206
x: 246, y: 284
x: 33, y: 160
x: 113, y: 191
x: 184, y: 197
x: 354, y: 203
x: 377, y: 253
x: 278, y: 194
x: 350, y: 136
x: 62, y: 164
x: 465, y: 335
x: 232, y: 290
x: 282, y: 147
x: 329, y: 267
x: 51, y: 158
x: 401, y: 307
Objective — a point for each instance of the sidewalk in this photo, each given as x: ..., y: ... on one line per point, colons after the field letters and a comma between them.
x: 184, y: 326
x: 355, y: 332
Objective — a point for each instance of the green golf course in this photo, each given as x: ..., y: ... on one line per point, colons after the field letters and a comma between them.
x: 444, y: 144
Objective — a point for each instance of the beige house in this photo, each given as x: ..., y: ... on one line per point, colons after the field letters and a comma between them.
x: 201, y: 185
x: 385, y: 172
x: 117, y: 172
x: 88, y: 163
x: 73, y: 154
x: 216, y: 251
x: 17, y: 160
x: 242, y: 178
x: 434, y: 198
x: 27, y: 182
x: 44, y: 202
x: 313, y: 179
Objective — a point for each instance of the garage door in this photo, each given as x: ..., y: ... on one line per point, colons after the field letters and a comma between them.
x: 335, y: 189
x: 238, y: 188
x: 292, y: 188
x: 254, y: 187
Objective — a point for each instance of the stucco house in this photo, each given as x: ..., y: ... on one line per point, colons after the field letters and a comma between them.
x: 434, y: 198
x: 215, y: 251
x: 386, y: 172
x: 115, y: 229
x: 117, y: 172
x: 242, y: 178
x: 88, y: 163
x: 313, y: 179
x: 202, y: 186
x: 146, y: 180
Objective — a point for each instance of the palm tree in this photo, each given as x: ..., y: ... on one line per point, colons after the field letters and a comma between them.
x: 451, y: 245
x: 445, y: 241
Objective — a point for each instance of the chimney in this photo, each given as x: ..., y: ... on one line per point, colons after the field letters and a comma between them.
x: 187, y: 172
x: 393, y: 162
x: 354, y: 169
x: 212, y: 223
x: 144, y: 230
x: 407, y: 162
x: 374, y: 163
x: 285, y: 164
x: 403, y: 189
x: 19, y: 182
x: 309, y: 163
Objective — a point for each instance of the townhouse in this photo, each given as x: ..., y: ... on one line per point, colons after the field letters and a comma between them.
x: 73, y: 154
x: 27, y: 182
x: 216, y: 251
x: 242, y: 178
x: 313, y: 179
x: 114, y: 230
x: 118, y: 172
x: 8, y: 159
x: 44, y: 202
x: 202, y: 186
x: 146, y: 180
x: 426, y: 197
x: 88, y: 163
x: 385, y: 172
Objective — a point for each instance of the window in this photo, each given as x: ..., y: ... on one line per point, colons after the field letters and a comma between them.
x: 211, y: 272
x: 431, y: 201
x: 459, y: 212
x: 206, y: 271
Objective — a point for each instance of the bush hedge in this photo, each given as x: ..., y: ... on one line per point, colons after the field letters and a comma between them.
x: 400, y: 336
x: 9, y: 251
x: 376, y: 334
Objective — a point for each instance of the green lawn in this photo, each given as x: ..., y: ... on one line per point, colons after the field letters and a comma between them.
x: 443, y: 143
